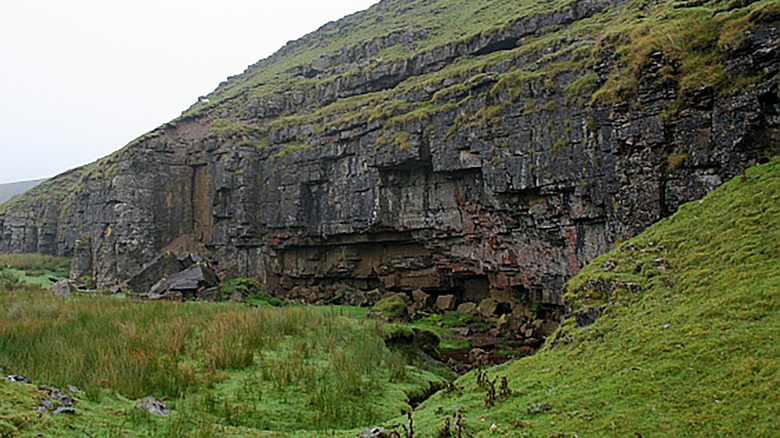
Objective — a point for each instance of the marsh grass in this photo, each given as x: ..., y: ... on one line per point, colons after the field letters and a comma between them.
x: 230, y: 364
x: 28, y: 270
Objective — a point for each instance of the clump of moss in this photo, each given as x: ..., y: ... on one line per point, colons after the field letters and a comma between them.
x: 290, y: 148
x: 392, y: 308
x: 398, y: 139
x: 224, y: 128
x: 251, y: 291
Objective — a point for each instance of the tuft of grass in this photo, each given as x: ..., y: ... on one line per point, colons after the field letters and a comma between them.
x: 291, y: 148
x: 676, y: 161
x: 224, y: 128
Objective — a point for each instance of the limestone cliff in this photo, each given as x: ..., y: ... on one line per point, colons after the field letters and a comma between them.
x: 474, y: 148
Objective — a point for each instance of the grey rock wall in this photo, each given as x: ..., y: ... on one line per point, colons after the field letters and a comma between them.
x: 508, y: 206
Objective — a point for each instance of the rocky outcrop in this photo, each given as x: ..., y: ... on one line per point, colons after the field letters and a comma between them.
x: 496, y: 181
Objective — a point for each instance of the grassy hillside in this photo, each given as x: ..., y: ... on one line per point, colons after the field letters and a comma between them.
x: 696, y: 40
x: 443, y: 21
x: 694, y: 350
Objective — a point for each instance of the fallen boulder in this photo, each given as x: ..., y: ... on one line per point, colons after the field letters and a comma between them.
x: 185, y: 284
x: 391, y: 308
x: 163, y: 266
x: 445, y: 302
x: 153, y: 406
x: 63, y: 288
x: 188, y: 259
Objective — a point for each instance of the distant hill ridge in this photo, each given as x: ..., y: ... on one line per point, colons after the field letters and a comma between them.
x: 9, y: 190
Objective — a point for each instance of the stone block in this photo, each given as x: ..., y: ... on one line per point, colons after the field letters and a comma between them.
x: 445, y: 302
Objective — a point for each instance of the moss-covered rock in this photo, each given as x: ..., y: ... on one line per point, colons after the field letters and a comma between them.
x: 392, y: 308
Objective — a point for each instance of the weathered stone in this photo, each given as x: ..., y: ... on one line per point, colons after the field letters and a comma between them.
x: 187, y: 259
x: 588, y: 316
x: 20, y: 379
x: 63, y: 288
x: 188, y: 282
x: 81, y: 263
x: 445, y: 302
x: 378, y: 432
x: 469, y: 308
x: 161, y: 267
x: 153, y: 406
x: 463, y: 331
x: 57, y: 396
x: 421, y: 298
x: 212, y: 294
x: 487, y: 308
x: 356, y: 297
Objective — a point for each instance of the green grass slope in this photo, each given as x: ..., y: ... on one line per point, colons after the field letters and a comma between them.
x: 695, y: 352
x: 443, y: 21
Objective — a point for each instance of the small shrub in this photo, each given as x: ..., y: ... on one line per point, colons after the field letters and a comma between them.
x: 251, y: 290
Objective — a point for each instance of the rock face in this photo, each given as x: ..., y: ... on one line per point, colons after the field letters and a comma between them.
x: 475, y: 191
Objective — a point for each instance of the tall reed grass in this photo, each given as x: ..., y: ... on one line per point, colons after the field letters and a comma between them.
x: 232, y: 363
x: 34, y: 262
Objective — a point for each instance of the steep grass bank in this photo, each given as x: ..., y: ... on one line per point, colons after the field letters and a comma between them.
x: 688, y: 343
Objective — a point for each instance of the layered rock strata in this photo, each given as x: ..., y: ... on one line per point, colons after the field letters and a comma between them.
x: 497, y: 193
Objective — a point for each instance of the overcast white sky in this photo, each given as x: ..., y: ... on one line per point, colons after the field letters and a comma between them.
x: 79, y: 79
